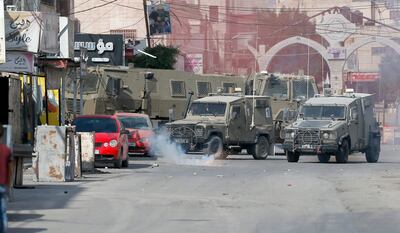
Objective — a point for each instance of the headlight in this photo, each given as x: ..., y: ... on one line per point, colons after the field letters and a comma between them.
x: 113, y: 143
x: 144, y: 139
x: 105, y: 144
x: 328, y: 135
x: 289, y: 134
x: 199, y: 131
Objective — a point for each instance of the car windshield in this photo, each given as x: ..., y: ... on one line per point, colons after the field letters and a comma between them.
x: 277, y: 89
x: 302, y: 89
x: 134, y: 122
x: 207, y: 109
x: 98, y: 125
x: 321, y: 112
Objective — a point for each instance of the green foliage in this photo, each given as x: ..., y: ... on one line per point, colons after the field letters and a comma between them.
x: 166, y: 58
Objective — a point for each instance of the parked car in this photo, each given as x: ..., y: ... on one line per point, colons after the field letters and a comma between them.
x: 111, y: 143
x: 141, y: 131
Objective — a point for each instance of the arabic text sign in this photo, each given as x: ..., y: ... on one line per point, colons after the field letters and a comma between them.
x: 364, y: 77
x: 101, y: 49
x: 23, y: 31
x: 18, y: 62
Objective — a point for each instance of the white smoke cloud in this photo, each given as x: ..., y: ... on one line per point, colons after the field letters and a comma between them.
x: 163, y: 147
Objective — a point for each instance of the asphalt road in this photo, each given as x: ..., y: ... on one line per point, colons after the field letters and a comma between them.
x: 234, y: 195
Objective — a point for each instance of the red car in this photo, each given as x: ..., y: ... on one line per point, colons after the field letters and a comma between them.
x: 141, y: 130
x: 111, y: 143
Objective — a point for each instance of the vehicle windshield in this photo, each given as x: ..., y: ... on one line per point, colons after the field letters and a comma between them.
x: 303, y: 89
x: 277, y: 88
x: 98, y: 125
x: 207, y: 109
x: 323, y: 112
x: 135, y: 122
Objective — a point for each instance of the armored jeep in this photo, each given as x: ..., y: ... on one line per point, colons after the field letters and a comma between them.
x: 224, y: 124
x: 287, y: 91
x: 334, y: 125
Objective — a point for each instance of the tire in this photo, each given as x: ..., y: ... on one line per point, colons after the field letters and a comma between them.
x: 374, y: 148
x: 292, y: 157
x: 125, y: 163
x: 261, y: 148
x: 324, y: 158
x: 118, y: 162
x: 342, y: 155
x: 215, y: 148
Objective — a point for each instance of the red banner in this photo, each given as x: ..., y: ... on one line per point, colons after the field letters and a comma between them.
x: 364, y: 77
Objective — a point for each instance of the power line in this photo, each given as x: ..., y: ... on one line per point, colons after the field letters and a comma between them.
x: 92, y: 8
x: 300, y: 9
x: 127, y: 26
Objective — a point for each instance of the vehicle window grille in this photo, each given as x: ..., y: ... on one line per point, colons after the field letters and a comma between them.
x: 203, y: 88
x: 178, y: 88
x: 228, y: 87
x: 151, y: 86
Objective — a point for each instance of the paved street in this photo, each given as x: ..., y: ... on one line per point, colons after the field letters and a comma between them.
x: 235, y: 195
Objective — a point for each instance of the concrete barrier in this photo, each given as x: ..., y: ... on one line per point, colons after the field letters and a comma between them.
x: 55, y: 154
x: 87, y: 151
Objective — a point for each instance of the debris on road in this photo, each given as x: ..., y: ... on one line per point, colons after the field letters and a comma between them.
x: 155, y: 165
x: 220, y: 176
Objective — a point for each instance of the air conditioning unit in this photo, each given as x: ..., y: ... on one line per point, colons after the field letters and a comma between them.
x: 11, y: 8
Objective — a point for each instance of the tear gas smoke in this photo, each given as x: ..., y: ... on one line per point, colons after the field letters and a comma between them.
x: 163, y: 147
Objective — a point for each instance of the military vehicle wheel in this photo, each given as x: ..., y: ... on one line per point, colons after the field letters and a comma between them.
x: 125, y: 163
x: 215, y: 148
x: 118, y: 162
x: 292, y: 157
x: 324, y: 158
x: 342, y: 155
x: 261, y: 148
x: 372, y: 153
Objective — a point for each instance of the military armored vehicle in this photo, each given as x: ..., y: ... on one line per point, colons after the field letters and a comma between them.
x: 162, y: 94
x: 287, y: 92
x: 222, y: 124
x: 334, y: 125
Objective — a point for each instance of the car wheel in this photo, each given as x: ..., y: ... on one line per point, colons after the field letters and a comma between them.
x: 372, y: 153
x: 342, y: 155
x: 118, y: 162
x: 324, y: 158
x: 261, y: 148
x: 292, y: 157
x: 125, y: 163
x: 215, y: 148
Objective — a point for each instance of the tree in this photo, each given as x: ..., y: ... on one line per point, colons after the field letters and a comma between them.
x: 166, y: 58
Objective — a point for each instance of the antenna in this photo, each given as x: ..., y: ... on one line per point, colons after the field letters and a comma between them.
x: 147, y: 54
x: 254, y: 101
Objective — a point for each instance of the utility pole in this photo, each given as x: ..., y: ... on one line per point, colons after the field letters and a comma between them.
x: 83, y: 59
x: 147, y: 23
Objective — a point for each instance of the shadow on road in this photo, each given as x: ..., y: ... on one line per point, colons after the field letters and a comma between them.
x: 25, y: 230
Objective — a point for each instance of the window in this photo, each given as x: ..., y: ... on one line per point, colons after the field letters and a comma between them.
x: 228, y: 87
x: 151, y: 86
x: 178, y: 89
x: 135, y: 122
x: 303, y: 89
x: 203, y: 88
x: 207, y: 109
x: 277, y: 89
x: 98, y: 125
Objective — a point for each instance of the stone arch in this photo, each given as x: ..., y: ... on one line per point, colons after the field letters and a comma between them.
x: 267, y: 57
x: 381, y: 40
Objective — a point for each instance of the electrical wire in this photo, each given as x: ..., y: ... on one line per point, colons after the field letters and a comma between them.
x: 91, y: 8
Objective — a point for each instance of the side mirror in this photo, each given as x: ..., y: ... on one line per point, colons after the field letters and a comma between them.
x: 354, y: 115
x: 125, y: 131
x: 234, y: 115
